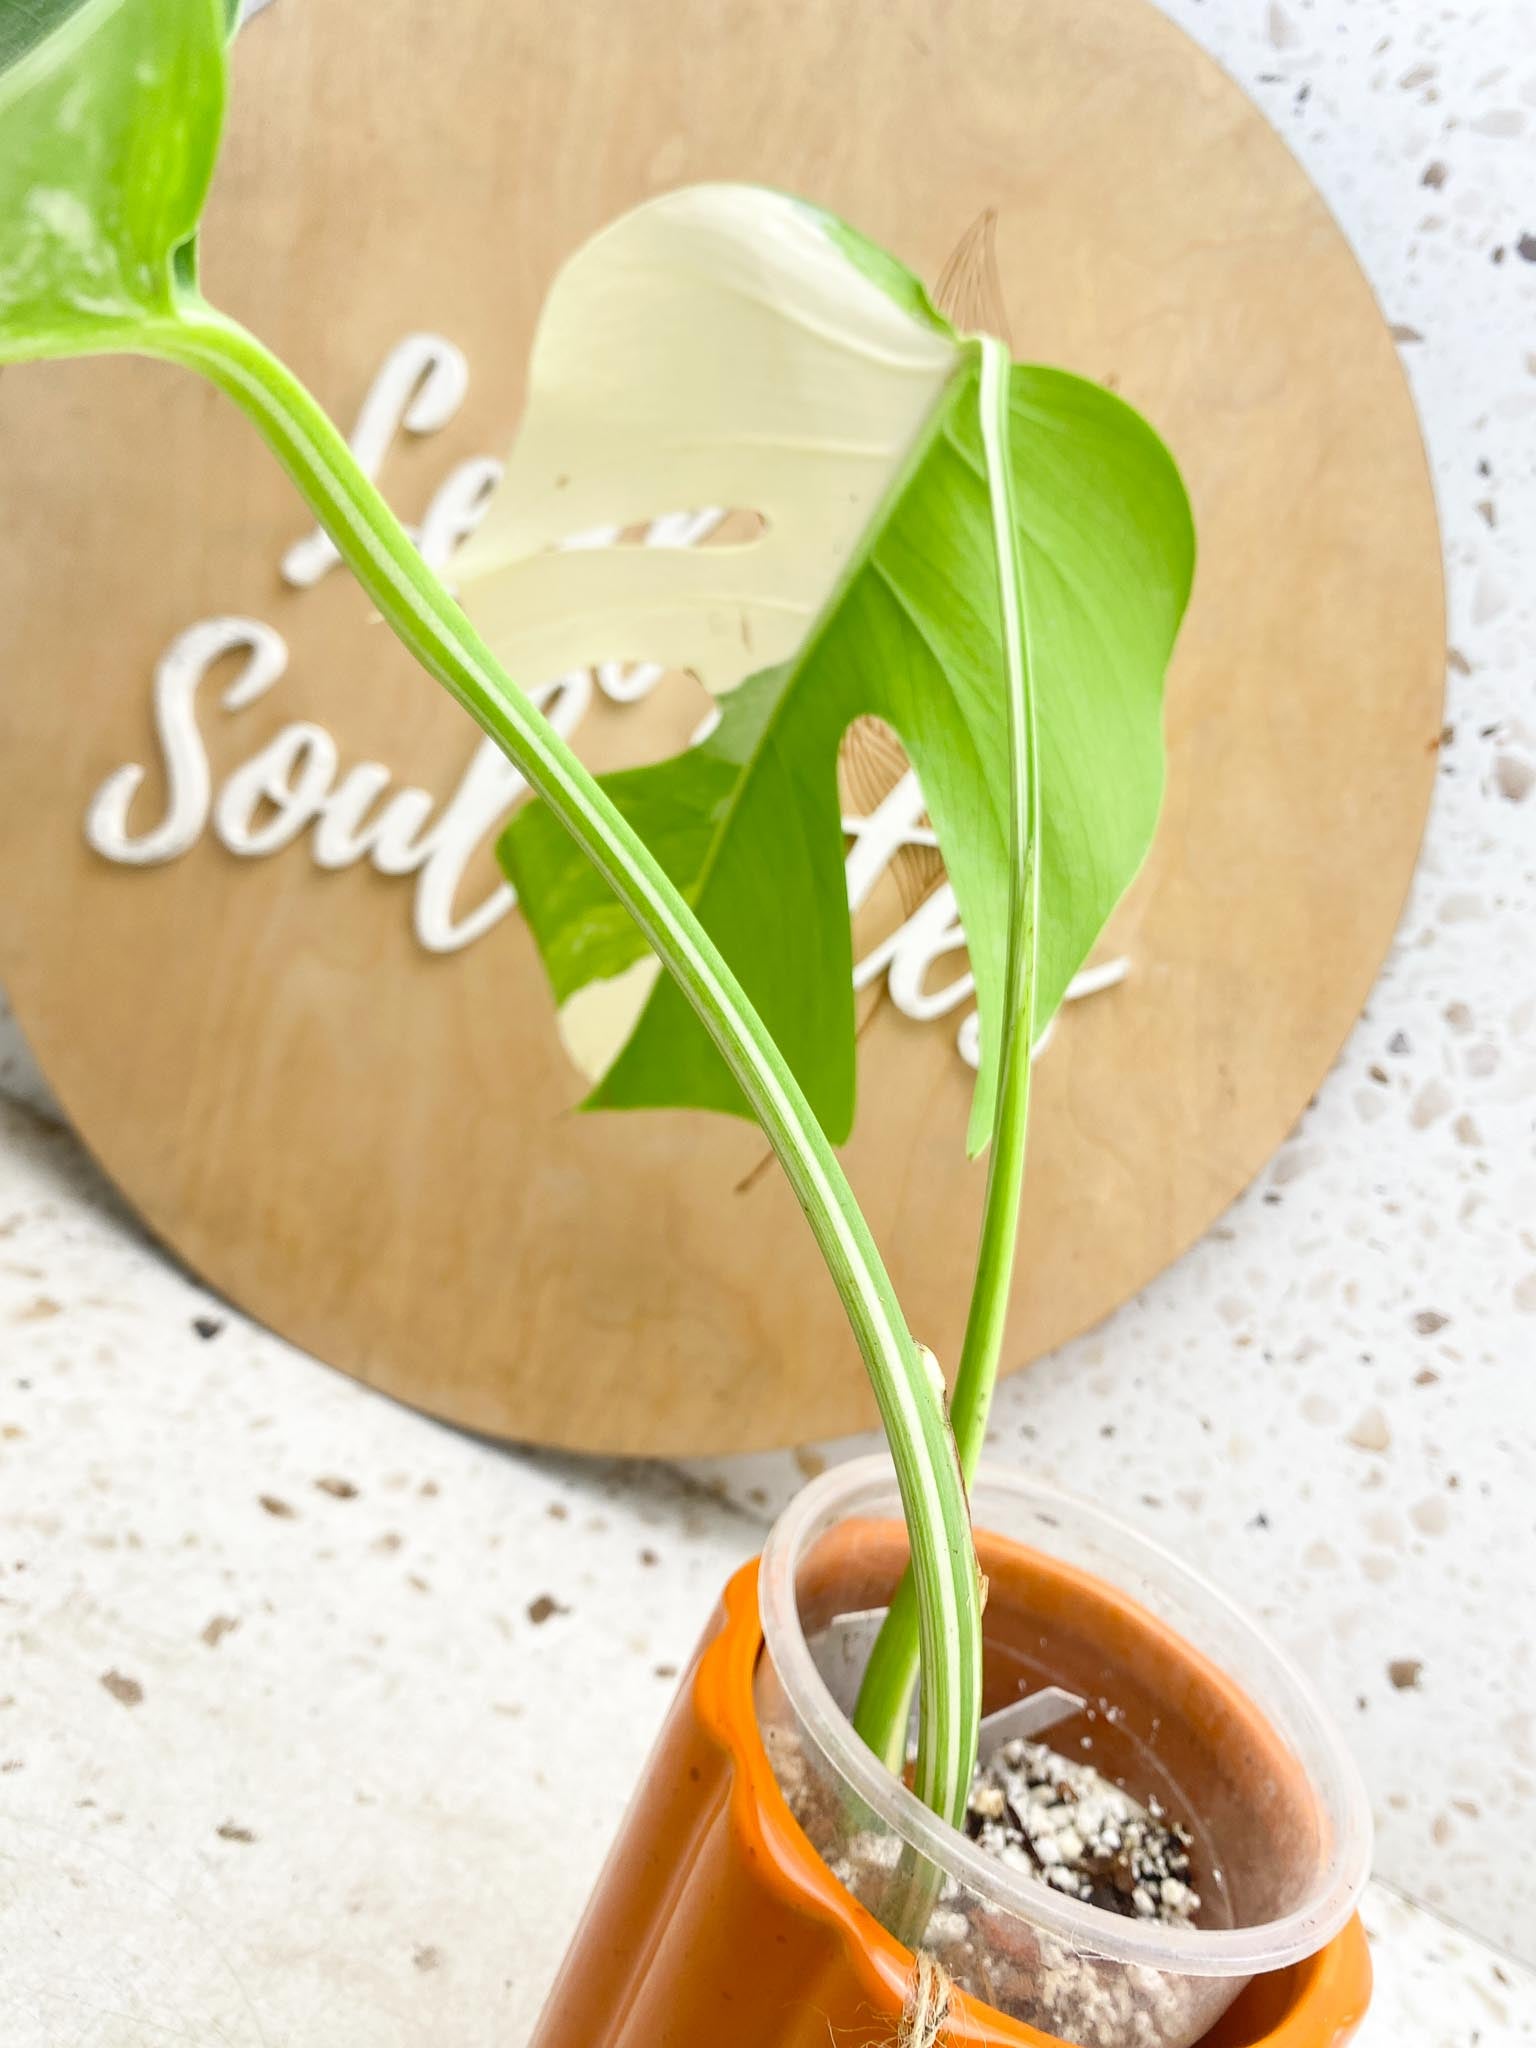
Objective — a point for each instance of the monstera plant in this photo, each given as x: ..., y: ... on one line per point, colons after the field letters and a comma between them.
x: 991, y: 558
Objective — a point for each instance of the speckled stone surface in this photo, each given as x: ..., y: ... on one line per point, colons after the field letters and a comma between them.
x: 368, y: 1810
x: 1438, y: 1988
x: 315, y: 1717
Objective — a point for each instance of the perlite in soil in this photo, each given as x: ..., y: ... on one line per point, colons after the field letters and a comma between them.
x: 1063, y: 1824
x: 1069, y: 1826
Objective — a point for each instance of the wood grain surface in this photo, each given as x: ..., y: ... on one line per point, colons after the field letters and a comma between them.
x: 374, y: 1149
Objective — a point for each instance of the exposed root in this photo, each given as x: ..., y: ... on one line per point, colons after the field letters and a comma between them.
x: 926, y: 2011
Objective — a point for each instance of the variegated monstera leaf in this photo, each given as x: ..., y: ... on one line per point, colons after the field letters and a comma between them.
x: 728, y: 346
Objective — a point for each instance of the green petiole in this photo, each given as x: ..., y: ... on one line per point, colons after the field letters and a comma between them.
x: 885, y: 1696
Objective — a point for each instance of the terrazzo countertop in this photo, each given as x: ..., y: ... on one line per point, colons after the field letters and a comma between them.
x: 315, y: 1717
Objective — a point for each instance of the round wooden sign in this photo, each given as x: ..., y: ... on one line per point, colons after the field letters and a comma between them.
x: 326, y: 1071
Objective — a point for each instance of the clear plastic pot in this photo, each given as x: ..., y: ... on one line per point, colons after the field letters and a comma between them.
x: 716, y: 1924
x: 1187, y: 1704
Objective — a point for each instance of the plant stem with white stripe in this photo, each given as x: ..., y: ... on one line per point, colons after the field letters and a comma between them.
x: 431, y: 625
x: 885, y: 1695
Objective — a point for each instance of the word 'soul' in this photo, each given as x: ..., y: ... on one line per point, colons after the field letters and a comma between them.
x: 296, y: 784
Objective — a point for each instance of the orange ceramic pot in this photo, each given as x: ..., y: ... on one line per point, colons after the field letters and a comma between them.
x: 717, y: 1924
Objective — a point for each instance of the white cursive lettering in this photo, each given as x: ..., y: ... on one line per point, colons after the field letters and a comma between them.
x: 295, y: 783
x: 177, y: 674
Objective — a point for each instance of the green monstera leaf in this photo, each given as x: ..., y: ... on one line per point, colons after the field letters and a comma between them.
x: 727, y: 346
x: 110, y: 112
